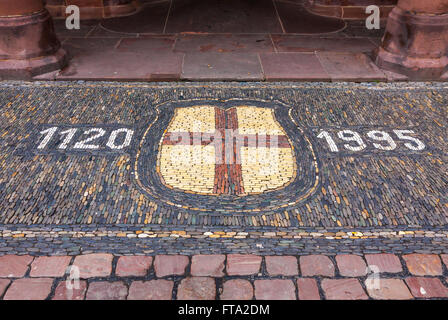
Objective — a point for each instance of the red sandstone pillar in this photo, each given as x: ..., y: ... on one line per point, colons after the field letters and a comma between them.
x: 28, y: 44
x: 416, y: 39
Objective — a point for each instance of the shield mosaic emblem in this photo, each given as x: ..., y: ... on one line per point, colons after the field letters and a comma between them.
x: 233, y: 156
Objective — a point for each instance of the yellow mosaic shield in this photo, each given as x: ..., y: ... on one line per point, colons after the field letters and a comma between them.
x: 240, y: 150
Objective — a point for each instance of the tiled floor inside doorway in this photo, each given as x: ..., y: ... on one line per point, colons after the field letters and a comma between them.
x: 221, y: 40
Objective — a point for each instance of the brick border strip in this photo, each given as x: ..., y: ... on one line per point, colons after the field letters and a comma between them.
x: 234, y: 276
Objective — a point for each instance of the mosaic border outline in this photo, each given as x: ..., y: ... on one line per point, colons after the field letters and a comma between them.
x: 220, y: 102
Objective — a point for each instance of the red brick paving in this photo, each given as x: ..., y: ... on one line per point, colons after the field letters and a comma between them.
x: 422, y: 287
x: 445, y: 256
x: 197, y: 288
x: 390, y: 289
x: 385, y: 262
x: 3, y: 285
x: 104, y: 290
x: 343, y: 289
x: 351, y: 265
x: 166, y: 265
x: 136, y: 266
x: 94, y: 265
x: 243, y: 264
x: 282, y: 266
x: 423, y: 264
x: 316, y: 265
x: 208, y: 265
x: 74, y: 292
x: 29, y: 289
x: 151, y: 290
x: 274, y: 290
x: 307, y: 289
x: 317, y: 272
x: 50, y: 266
x: 237, y: 289
x: 13, y: 266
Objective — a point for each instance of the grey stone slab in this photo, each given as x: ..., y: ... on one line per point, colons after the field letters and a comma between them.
x: 222, y: 66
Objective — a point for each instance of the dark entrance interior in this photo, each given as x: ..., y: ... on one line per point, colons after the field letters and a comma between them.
x: 224, y: 16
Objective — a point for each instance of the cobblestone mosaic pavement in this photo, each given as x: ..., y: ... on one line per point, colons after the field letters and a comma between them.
x: 84, y: 168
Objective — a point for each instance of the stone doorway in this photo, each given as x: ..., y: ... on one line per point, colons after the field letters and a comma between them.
x: 223, y: 40
x: 220, y: 40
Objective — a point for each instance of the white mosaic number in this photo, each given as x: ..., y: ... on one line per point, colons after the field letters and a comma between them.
x: 83, y: 144
x: 380, y: 140
x: 69, y: 136
x: 87, y: 138
x: 113, y: 137
x: 352, y: 136
x: 417, y: 145
x: 382, y: 136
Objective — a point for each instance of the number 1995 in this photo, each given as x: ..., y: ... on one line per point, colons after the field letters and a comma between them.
x: 381, y: 140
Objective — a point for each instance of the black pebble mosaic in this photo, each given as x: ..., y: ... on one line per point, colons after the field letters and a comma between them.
x: 400, y: 190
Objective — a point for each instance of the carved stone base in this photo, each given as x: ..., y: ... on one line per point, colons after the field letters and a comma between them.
x: 14, y: 69
x: 415, y: 45
x: 28, y: 46
x: 348, y: 9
